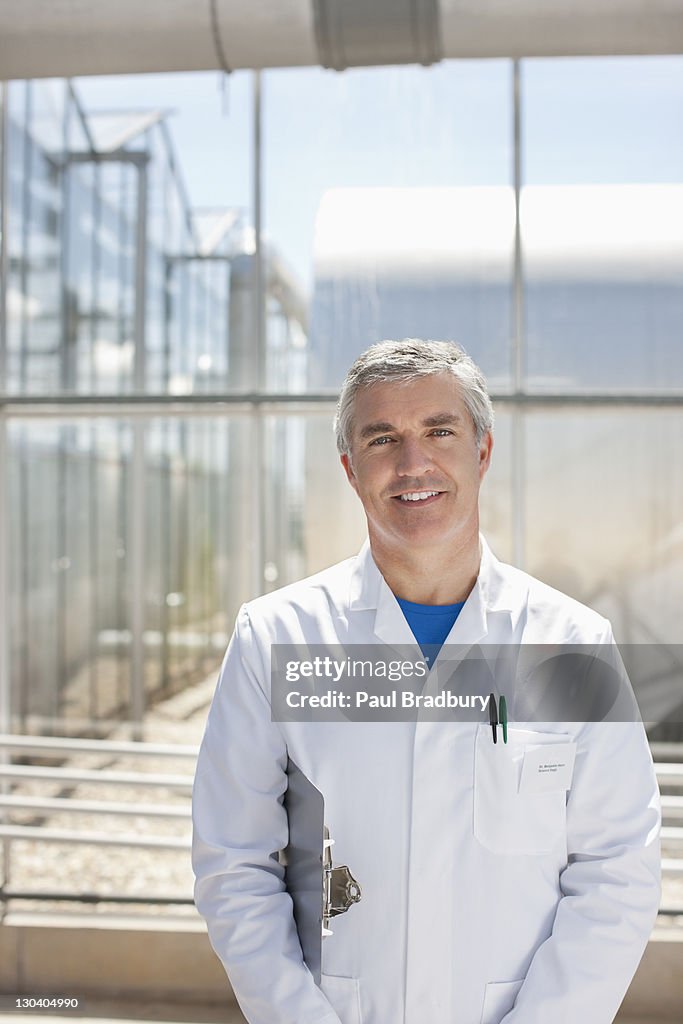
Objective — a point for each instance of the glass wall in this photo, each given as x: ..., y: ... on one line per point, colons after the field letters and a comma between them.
x: 530, y: 212
x: 128, y: 529
x: 602, y: 259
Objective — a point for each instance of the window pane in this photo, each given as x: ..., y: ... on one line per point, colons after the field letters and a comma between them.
x: 387, y: 191
x: 602, y: 120
x: 604, y: 507
x: 73, y: 502
x: 602, y: 223
x: 106, y: 247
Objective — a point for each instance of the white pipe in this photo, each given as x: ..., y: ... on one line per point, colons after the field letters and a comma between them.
x: 59, y: 804
x: 40, y: 744
x: 115, y: 778
x: 53, y: 835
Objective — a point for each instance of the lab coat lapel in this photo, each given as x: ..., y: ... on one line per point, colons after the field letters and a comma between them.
x: 370, y: 592
x: 490, y: 614
x: 487, y: 613
x: 391, y: 626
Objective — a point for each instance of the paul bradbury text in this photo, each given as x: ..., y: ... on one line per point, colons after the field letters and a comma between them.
x: 392, y: 699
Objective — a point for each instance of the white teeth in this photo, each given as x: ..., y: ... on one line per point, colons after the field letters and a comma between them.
x: 418, y: 495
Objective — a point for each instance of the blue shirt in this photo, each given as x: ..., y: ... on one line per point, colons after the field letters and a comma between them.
x: 430, y: 624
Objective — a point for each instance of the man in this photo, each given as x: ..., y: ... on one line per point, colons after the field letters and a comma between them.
x: 484, y: 900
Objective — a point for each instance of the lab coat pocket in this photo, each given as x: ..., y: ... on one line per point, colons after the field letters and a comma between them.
x: 499, y: 1000
x: 510, y: 819
x: 344, y: 996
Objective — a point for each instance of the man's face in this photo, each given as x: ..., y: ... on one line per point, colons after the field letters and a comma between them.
x: 410, y: 440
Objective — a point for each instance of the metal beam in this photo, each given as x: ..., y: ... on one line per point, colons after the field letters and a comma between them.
x: 5, y: 698
x: 518, y: 337
x: 53, y: 835
x: 71, y: 406
x: 4, y: 227
x: 68, y: 805
x: 259, y: 350
x: 137, y: 566
x: 66, y: 745
x: 62, y: 775
x: 140, y: 280
x: 5, y: 679
x: 116, y: 156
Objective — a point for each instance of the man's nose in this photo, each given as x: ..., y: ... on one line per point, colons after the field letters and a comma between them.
x: 413, y: 458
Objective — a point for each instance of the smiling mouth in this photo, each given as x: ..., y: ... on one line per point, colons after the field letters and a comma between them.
x: 414, y: 499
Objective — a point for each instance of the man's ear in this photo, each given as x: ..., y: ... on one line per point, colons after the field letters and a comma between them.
x: 348, y: 469
x: 485, y: 450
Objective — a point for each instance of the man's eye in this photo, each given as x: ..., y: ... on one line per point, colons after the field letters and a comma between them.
x: 442, y: 432
x: 380, y: 440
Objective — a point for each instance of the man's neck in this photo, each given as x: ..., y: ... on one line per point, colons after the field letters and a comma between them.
x: 430, y: 576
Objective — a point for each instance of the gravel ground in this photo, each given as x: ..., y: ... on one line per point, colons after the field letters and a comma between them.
x: 74, y: 868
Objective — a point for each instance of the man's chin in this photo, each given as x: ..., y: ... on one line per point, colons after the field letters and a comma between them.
x: 415, y: 537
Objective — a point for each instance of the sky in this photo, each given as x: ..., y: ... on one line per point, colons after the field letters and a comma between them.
x: 584, y: 120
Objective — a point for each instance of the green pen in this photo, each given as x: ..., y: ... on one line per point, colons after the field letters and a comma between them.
x: 503, y: 717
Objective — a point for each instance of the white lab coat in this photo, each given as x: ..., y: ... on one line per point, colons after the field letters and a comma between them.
x: 468, y: 915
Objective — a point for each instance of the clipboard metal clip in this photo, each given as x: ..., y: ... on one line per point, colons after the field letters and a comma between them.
x: 340, y: 888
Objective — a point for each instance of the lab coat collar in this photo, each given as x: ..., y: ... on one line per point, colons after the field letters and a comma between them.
x: 370, y: 591
x: 487, y: 614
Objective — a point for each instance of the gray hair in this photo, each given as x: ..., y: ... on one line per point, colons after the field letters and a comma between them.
x: 406, y: 361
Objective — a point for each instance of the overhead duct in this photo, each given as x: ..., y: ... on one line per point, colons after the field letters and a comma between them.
x: 56, y: 38
x: 352, y: 33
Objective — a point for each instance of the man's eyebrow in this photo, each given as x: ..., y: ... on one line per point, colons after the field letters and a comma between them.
x: 370, y: 429
x: 439, y: 419
x: 442, y: 419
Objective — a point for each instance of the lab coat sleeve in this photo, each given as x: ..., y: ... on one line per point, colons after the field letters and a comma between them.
x: 239, y: 824
x: 610, y: 886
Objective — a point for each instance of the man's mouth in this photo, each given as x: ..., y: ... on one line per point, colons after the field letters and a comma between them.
x: 418, y: 497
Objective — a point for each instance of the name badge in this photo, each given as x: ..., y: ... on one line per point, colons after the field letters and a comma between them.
x: 547, y: 767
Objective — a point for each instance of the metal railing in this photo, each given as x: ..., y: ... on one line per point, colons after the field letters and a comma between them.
x: 669, y: 775
x: 669, y: 765
x: 48, y: 747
